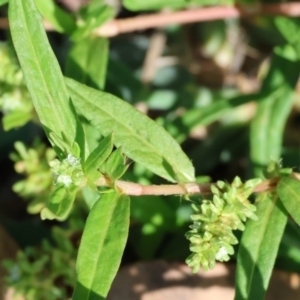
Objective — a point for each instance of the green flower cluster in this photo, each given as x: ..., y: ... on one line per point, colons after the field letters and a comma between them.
x: 47, y: 272
x: 14, y: 96
x: 211, y: 234
x: 68, y: 171
x: 34, y: 164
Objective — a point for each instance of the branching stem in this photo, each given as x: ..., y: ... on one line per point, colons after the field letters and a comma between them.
x: 136, y: 189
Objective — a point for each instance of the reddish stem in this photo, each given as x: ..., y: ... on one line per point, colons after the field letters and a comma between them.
x: 135, y: 189
x: 118, y: 26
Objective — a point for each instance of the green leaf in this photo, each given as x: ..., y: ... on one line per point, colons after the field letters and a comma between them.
x: 95, y: 14
x: 60, y: 19
x: 210, y: 113
x: 87, y: 61
x: 16, y: 119
x: 102, y: 246
x: 99, y: 155
x: 140, y: 137
x: 64, y: 146
x: 2, y: 2
x: 289, y: 29
x: 272, y: 112
x: 288, y: 257
x: 42, y: 72
x: 59, y: 204
x: 90, y: 196
x: 115, y: 165
x: 258, y: 248
x: 260, y: 241
x: 288, y: 190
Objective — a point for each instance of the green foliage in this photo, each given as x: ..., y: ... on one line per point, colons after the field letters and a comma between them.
x: 60, y: 19
x: 102, y: 245
x: 288, y: 28
x: 98, y: 136
x: 257, y: 256
x: 115, y: 166
x: 273, y: 110
x: 38, y: 272
x: 91, y: 17
x: 98, y: 156
x: 15, y: 101
x: 266, y: 139
x: 42, y: 73
x: 288, y: 190
x: 259, y: 247
x: 142, y: 139
x: 207, y: 115
x: 81, y: 61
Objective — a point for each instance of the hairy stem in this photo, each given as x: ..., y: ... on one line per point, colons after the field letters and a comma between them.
x: 136, y: 189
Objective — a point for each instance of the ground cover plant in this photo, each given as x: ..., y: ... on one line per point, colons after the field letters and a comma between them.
x: 214, y: 154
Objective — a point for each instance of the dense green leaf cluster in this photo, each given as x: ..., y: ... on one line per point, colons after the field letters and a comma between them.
x: 211, y: 234
x: 47, y: 272
x: 92, y: 131
x: 33, y: 163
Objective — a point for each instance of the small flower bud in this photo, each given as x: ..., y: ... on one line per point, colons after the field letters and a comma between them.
x: 211, y: 236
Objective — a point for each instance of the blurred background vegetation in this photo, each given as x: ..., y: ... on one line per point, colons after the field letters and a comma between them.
x: 203, y: 82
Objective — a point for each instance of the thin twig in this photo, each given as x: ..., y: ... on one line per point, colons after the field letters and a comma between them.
x: 136, y: 189
x: 154, y: 52
x: 118, y: 26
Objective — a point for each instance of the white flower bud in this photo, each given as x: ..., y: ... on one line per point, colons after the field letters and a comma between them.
x: 72, y: 160
x: 66, y: 180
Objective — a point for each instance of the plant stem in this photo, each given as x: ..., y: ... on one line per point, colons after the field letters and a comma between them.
x: 136, y: 189
x: 119, y: 26
x: 143, y: 22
